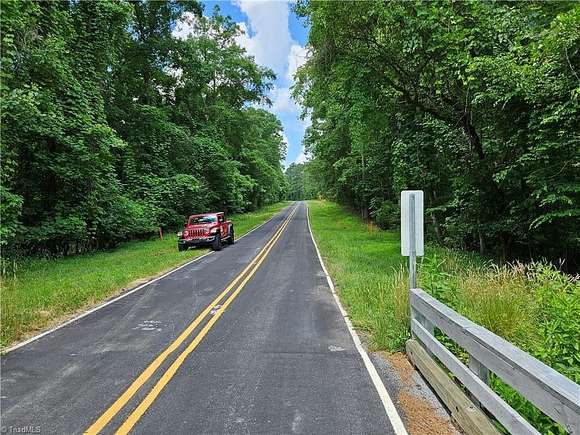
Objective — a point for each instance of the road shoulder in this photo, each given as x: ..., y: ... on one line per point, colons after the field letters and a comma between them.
x: 386, y: 400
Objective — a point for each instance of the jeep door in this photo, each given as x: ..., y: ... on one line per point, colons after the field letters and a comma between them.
x: 224, y: 229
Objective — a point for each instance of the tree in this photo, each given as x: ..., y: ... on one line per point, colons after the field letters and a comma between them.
x: 301, y: 183
x: 113, y: 124
x: 475, y: 103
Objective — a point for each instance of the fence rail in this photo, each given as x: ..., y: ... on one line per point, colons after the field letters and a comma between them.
x: 551, y: 392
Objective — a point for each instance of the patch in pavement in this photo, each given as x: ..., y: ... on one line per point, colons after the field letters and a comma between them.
x: 149, y: 325
x: 214, y: 310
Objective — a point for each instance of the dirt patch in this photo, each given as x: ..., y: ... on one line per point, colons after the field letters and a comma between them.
x: 422, y: 418
x: 44, y: 313
x: 401, y: 364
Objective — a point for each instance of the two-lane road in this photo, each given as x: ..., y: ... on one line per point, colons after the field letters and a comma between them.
x: 246, y: 340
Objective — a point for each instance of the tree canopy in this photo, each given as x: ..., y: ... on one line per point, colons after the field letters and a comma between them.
x: 114, y: 123
x: 300, y: 182
x: 476, y: 103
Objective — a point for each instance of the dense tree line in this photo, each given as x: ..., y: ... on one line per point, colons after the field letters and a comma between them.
x: 300, y: 184
x: 113, y: 126
x: 476, y: 103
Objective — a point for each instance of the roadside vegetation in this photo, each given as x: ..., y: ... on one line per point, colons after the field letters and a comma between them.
x: 40, y: 292
x: 534, y: 306
x: 475, y: 103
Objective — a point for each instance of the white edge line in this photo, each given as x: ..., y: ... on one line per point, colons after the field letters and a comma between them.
x: 388, y: 404
x: 124, y: 295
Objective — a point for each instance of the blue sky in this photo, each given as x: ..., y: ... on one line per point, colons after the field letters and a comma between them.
x: 276, y: 38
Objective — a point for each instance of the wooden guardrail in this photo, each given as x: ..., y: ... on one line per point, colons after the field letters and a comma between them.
x: 551, y: 392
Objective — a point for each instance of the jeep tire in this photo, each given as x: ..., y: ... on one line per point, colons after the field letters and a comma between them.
x: 216, y: 245
x: 181, y: 247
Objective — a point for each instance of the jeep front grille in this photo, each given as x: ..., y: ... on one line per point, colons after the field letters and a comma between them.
x: 197, y: 232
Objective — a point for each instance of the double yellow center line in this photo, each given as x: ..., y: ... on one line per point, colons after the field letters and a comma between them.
x: 242, y: 279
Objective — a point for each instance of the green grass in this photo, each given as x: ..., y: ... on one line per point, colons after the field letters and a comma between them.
x: 44, y: 292
x: 534, y: 306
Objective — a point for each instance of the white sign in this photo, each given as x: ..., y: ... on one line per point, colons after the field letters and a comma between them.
x: 406, y: 224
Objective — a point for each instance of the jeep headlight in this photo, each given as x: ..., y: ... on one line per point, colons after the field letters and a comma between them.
x: 179, y: 234
x: 213, y: 230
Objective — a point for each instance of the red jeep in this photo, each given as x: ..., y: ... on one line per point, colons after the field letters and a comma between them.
x: 206, y: 229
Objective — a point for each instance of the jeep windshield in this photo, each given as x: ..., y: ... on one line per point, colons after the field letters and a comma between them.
x: 197, y: 220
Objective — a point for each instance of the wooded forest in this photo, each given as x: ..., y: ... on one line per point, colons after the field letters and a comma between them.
x: 476, y: 103
x: 113, y: 125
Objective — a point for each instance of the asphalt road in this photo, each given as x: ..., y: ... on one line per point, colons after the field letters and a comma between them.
x: 273, y: 356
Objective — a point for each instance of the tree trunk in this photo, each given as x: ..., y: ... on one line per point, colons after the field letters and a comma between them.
x: 506, y: 240
x: 364, y: 212
x: 436, y: 226
x: 434, y: 217
x: 474, y: 139
x: 481, y: 242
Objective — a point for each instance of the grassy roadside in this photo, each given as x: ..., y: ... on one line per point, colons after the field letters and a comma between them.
x: 45, y: 292
x: 533, y: 306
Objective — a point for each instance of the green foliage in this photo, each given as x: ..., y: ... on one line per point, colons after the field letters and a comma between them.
x: 558, y: 326
x: 385, y: 213
x: 534, y: 306
x: 10, y: 209
x: 298, y: 180
x: 559, y: 306
x: 476, y: 103
x: 543, y: 423
x: 113, y: 126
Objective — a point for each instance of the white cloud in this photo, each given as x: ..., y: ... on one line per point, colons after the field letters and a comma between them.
x: 176, y: 73
x: 243, y: 39
x: 306, y: 122
x: 282, y: 101
x: 185, y: 26
x: 297, y: 57
x: 302, y: 157
x: 267, y: 35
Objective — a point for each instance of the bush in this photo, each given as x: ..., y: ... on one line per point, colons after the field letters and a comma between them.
x: 559, y: 309
x: 174, y: 198
x: 385, y: 214
x: 10, y: 209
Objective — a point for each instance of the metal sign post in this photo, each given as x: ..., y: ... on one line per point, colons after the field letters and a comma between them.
x: 412, y: 230
x: 412, y: 244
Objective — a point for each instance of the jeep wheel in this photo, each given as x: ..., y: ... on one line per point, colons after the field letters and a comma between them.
x: 216, y: 245
x: 231, y: 237
x: 181, y: 247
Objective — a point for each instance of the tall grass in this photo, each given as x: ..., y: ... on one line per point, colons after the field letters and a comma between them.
x: 497, y: 298
x: 40, y: 292
x: 534, y: 306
